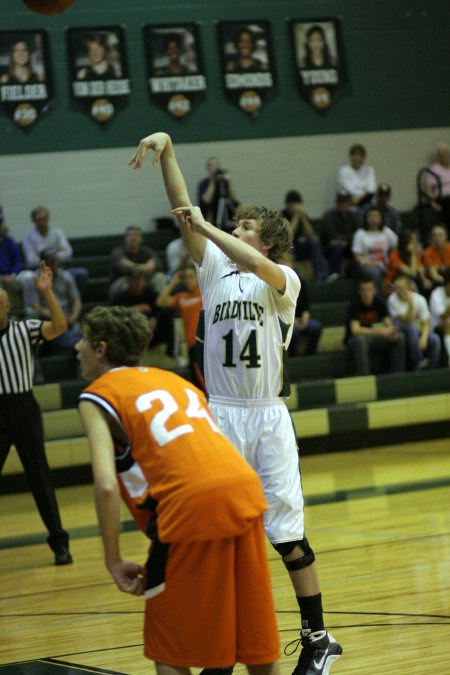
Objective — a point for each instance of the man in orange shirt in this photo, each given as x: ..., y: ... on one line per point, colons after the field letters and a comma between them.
x: 152, y: 438
x: 189, y: 304
x: 437, y: 256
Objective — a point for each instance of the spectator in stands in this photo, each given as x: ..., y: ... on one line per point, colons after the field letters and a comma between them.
x: 189, y: 304
x: 406, y: 260
x: 436, y: 257
x: 364, y: 338
x: 440, y: 311
x: 42, y: 236
x: 304, y: 326
x: 410, y: 314
x: 381, y: 201
x: 67, y: 294
x: 305, y: 241
x: 358, y: 178
x: 371, y: 246
x: 177, y: 256
x: 138, y: 296
x: 216, y: 195
x: 134, y: 255
x: 437, y: 186
x: 10, y: 262
x: 338, y: 227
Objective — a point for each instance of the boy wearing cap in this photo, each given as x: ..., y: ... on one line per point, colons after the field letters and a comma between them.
x: 305, y: 241
x: 338, y: 227
x: 381, y: 201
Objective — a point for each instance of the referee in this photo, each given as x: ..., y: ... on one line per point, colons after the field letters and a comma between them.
x: 20, y: 416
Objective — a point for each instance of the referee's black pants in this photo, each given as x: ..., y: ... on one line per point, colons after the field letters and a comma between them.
x: 21, y: 425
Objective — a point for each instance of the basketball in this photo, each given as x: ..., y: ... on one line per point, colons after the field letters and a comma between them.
x: 49, y: 7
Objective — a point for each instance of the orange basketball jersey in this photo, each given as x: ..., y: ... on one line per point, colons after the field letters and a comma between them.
x: 176, y: 455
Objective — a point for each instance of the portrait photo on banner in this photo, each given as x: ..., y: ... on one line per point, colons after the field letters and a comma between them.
x: 25, y: 75
x: 98, y: 68
x: 176, y: 74
x: 319, y: 59
x: 247, y: 63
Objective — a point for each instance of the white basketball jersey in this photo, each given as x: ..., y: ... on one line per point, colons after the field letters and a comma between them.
x: 248, y: 326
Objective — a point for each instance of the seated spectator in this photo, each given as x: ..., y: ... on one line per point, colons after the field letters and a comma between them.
x: 338, y: 227
x: 437, y: 187
x: 134, y: 255
x: 189, y: 303
x: 381, y: 201
x: 406, y: 260
x: 216, y: 195
x: 305, y: 241
x: 67, y: 294
x: 41, y: 236
x: 410, y: 314
x: 358, y: 178
x: 177, y: 256
x: 138, y: 296
x: 304, y: 326
x: 364, y: 337
x: 436, y: 257
x: 10, y: 262
x: 371, y: 246
x: 440, y: 311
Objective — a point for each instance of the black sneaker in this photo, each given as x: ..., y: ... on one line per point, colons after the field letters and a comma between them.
x: 62, y: 556
x: 217, y: 671
x: 319, y: 652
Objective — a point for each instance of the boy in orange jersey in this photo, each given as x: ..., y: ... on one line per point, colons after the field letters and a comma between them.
x: 152, y: 438
x: 189, y: 303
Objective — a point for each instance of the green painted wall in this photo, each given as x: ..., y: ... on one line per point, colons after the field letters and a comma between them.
x: 397, y: 54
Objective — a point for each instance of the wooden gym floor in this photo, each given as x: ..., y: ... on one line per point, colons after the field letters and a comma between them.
x: 378, y: 520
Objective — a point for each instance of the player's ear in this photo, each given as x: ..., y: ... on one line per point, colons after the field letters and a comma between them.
x: 267, y: 245
x: 102, y: 349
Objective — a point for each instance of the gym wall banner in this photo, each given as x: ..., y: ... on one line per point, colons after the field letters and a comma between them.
x: 319, y: 59
x: 26, y: 88
x: 247, y: 63
x: 175, y: 69
x: 98, y: 69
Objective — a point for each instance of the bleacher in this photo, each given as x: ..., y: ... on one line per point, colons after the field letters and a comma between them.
x: 330, y: 410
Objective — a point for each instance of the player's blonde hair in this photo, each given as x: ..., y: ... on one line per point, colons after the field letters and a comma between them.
x: 275, y: 229
x: 125, y: 332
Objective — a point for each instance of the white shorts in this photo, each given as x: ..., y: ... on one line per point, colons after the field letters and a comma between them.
x: 264, y: 434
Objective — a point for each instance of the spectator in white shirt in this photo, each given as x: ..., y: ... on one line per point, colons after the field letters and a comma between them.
x: 177, y: 256
x: 371, y: 246
x: 410, y: 314
x: 440, y: 310
x: 41, y: 237
x: 358, y: 178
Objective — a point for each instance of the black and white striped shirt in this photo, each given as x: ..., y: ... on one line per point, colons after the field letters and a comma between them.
x: 17, y: 346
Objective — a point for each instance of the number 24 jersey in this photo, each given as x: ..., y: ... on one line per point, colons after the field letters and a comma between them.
x: 172, y: 451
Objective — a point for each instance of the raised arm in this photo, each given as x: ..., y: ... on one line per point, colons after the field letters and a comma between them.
x: 57, y: 324
x: 174, y: 182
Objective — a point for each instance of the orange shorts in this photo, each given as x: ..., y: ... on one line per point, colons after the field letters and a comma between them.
x: 216, y: 608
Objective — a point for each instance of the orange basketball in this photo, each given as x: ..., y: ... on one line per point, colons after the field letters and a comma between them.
x: 48, y: 7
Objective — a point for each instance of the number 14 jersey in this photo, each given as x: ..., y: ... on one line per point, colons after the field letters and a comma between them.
x: 248, y: 327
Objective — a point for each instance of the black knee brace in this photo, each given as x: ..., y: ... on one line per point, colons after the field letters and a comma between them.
x: 305, y: 560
